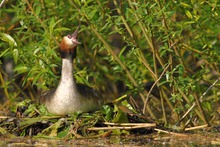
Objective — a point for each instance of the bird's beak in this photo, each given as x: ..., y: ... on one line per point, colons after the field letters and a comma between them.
x: 75, y: 34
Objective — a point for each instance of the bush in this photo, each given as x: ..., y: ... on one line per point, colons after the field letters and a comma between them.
x: 127, y: 43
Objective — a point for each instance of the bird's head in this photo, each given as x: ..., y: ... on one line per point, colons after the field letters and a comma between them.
x: 68, y: 44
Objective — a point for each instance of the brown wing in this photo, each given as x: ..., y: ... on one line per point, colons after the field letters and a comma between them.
x: 92, y: 94
x: 46, y: 96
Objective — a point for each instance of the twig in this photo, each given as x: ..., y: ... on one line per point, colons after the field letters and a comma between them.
x: 195, y: 128
x: 131, y: 124
x: 125, y: 126
x: 171, y: 133
x: 194, y: 104
x: 120, y: 127
x: 3, y: 117
x: 201, y: 97
x: 3, y: 1
x: 147, y: 99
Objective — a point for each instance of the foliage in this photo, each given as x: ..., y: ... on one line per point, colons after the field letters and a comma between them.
x: 126, y: 46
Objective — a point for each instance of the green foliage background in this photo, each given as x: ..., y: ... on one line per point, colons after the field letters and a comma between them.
x: 172, y: 43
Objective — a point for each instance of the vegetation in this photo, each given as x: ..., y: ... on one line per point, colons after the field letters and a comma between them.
x: 158, y: 60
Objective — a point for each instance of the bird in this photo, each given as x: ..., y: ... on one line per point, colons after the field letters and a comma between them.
x: 69, y: 97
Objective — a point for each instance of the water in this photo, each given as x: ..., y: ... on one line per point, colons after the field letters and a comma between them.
x: 154, y: 139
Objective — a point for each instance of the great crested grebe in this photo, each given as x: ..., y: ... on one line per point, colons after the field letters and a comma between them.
x: 69, y: 97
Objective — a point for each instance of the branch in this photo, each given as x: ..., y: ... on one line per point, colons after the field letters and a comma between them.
x: 3, y: 1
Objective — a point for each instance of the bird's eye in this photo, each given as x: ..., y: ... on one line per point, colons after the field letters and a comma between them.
x: 69, y: 36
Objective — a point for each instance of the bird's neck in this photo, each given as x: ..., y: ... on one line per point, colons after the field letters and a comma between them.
x: 67, y: 69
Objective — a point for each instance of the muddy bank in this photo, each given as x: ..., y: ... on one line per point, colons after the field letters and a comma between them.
x: 154, y: 139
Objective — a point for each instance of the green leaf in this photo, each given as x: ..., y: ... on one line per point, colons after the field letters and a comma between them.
x: 38, y: 9
x: 15, y: 55
x: 64, y: 132
x: 108, y: 111
x: 31, y: 108
x: 116, y: 132
x: 61, y: 29
x: 125, y: 103
x: 36, y: 78
x: 92, y: 13
x: 2, y: 131
x: 78, y: 2
x: 21, y: 69
x: 122, y: 51
x: 189, y: 15
x: 29, y: 121
x: 185, y: 5
x: 4, y: 52
x: 52, y: 131
x: 7, y: 38
x: 53, y: 24
x: 43, y: 110
x: 24, y: 103
x: 120, y: 117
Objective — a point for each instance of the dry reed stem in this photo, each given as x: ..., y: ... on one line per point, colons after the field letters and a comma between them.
x: 130, y: 124
x: 171, y: 133
x: 124, y: 126
x: 197, y: 127
x: 4, y: 117
x: 115, y: 128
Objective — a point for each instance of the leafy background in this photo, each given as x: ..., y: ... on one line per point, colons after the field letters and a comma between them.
x: 127, y: 47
